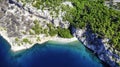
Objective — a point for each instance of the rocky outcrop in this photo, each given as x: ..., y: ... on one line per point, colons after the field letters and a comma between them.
x: 17, y: 15
x: 17, y: 21
x: 91, y: 41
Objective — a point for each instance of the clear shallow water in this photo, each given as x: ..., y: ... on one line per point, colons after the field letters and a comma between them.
x: 49, y: 54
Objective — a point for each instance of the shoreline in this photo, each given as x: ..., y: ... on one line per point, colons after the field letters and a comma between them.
x: 102, y: 56
x: 15, y: 47
x: 57, y: 39
x: 98, y: 47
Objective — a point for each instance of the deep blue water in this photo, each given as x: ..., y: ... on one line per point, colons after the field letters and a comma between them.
x: 49, y: 54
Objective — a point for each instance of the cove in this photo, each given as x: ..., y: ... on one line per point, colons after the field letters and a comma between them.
x: 49, y: 54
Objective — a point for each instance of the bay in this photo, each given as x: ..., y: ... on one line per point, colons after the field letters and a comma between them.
x: 49, y: 54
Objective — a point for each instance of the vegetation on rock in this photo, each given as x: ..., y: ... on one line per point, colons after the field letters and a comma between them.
x: 65, y: 33
x: 103, y: 21
x: 25, y: 40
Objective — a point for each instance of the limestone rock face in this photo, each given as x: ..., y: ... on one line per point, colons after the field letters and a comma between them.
x: 17, y: 20
x: 98, y: 46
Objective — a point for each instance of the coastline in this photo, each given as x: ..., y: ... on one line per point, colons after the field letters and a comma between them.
x: 79, y: 36
x: 57, y: 39
x: 15, y: 47
x: 103, y: 50
x: 98, y: 47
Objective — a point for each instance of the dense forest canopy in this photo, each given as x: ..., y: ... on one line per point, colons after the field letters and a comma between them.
x: 102, y: 20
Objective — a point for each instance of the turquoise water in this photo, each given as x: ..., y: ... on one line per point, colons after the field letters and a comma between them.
x: 49, y: 54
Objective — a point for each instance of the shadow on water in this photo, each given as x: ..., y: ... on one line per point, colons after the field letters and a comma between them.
x: 49, y: 54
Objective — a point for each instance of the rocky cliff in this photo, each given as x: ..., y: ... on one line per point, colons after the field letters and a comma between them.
x: 17, y: 21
